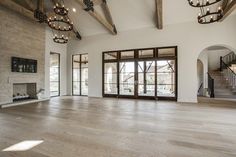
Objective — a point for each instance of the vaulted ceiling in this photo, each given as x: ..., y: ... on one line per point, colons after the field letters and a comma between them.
x: 126, y: 14
x: 132, y: 14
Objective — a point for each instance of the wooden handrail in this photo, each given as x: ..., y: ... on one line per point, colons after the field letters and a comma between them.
x: 227, y: 67
x: 211, y: 86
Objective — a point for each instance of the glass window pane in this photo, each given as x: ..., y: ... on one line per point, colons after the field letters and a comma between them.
x: 80, y: 74
x: 76, y: 74
x: 110, y: 78
x: 166, y: 78
x: 54, y: 60
x: 110, y: 88
x: 166, y: 52
x: 110, y: 55
x: 54, y: 86
x: 146, y: 53
x: 76, y: 61
x: 84, y: 60
x: 146, y: 78
x: 84, y: 88
x: 126, y: 76
x: 127, y: 54
x: 76, y: 88
x: 148, y: 90
x: 166, y: 90
x: 54, y: 74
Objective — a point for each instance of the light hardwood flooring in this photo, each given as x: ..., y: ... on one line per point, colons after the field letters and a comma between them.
x: 93, y: 127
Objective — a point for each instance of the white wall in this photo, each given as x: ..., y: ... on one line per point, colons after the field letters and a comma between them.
x: 191, y: 39
x: 51, y: 46
x: 204, y: 58
x: 214, y: 58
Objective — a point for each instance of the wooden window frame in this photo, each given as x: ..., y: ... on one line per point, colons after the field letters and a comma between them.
x: 136, y: 59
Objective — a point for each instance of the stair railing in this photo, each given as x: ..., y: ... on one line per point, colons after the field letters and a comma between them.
x: 199, y: 90
x: 229, y: 74
x: 229, y: 58
x: 211, y: 85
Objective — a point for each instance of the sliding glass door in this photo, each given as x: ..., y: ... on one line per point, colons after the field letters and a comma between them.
x: 80, y: 75
x: 54, y: 74
x: 141, y: 73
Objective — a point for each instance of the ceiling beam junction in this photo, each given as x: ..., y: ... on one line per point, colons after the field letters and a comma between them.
x: 88, y: 6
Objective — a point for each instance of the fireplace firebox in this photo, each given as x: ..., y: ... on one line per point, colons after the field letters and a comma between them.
x: 24, y: 91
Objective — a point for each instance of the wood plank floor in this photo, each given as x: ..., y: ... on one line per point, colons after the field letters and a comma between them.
x: 93, y: 127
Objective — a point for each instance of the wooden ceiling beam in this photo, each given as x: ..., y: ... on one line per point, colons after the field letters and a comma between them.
x: 30, y: 4
x: 17, y: 8
x: 99, y: 18
x: 40, y: 5
x: 159, y: 14
x: 228, y: 9
x: 97, y: 2
x: 107, y: 13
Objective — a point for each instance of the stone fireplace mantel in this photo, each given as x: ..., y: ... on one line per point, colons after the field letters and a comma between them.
x: 23, y: 79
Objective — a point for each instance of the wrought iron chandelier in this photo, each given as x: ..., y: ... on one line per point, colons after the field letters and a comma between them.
x: 60, y: 23
x: 210, y: 10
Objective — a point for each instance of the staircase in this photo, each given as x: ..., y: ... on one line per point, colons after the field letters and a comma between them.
x: 222, y: 88
x: 224, y: 79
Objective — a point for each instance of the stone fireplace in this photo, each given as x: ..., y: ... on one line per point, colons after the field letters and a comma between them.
x: 24, y: 91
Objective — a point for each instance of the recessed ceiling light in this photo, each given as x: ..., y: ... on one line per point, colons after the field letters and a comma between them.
x: 73, y: 9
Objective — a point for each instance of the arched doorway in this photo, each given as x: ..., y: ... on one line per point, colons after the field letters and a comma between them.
x: 215, y: 69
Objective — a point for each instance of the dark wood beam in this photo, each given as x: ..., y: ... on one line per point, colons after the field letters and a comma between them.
x: 40, y: 5
x: 99, y: 18
x: 30, y: 4
x: 97, y: 2
x: 107, y: 13
x: 159, y: 14
x: 17, y: 8
x: 229, y: 9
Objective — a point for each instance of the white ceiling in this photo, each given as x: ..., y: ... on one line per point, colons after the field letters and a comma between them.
x: 132, y: 14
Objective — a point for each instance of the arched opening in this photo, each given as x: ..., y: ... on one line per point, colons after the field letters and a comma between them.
x: 216, y: 72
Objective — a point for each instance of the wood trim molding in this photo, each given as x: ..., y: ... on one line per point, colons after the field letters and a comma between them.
x: 17, y: 8
x: 159, y: 14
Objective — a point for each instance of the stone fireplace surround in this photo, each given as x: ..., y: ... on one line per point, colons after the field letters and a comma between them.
x: 23, y: 87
